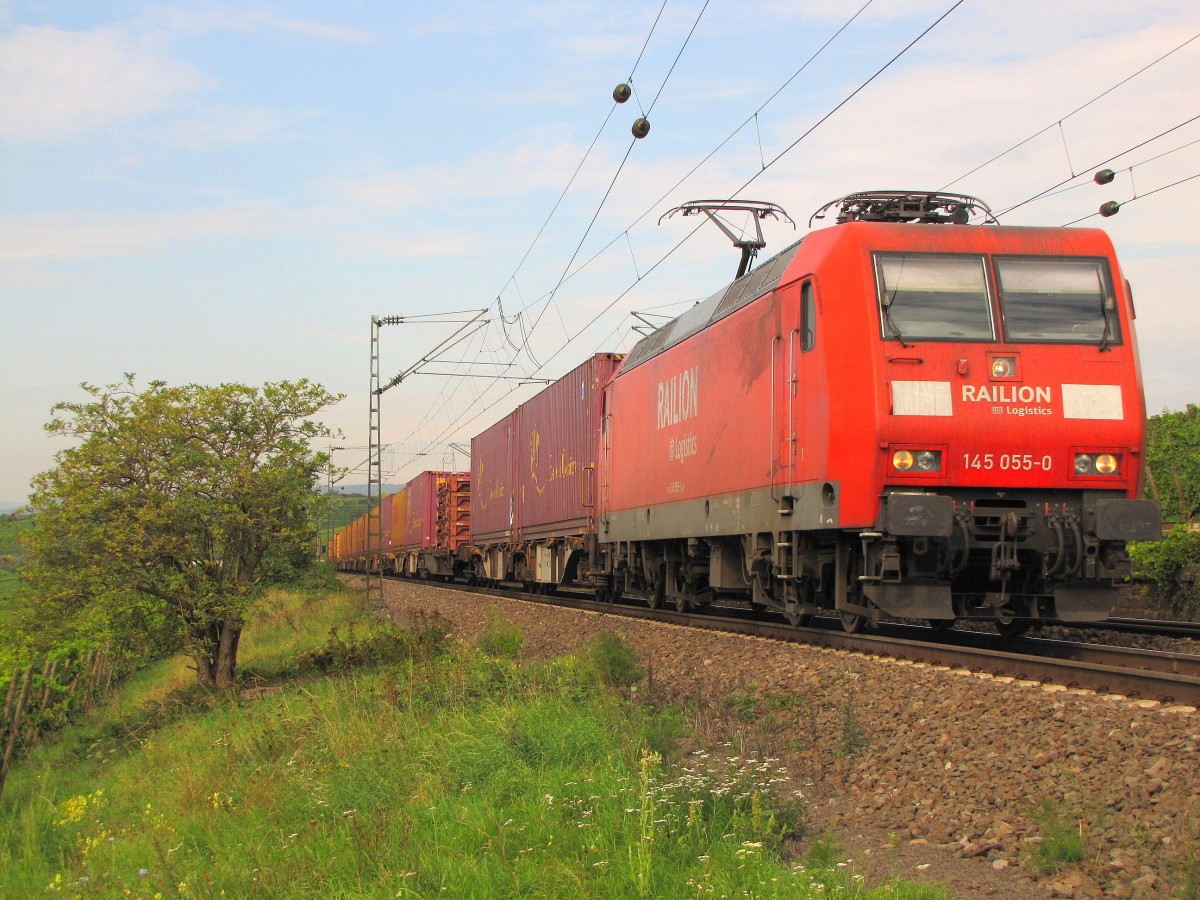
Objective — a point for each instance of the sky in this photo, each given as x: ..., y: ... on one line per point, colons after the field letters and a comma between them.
x: 208, y: 193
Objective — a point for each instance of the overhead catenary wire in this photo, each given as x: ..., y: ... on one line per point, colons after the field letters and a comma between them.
x: 1058, y: 123
x: 527, y: 334
x: 1052, y: 192
x: 517, y: 319
x: 1136, y: 197
x: 587, y: 153
x: 612, y: 183
x: 1093, y: 166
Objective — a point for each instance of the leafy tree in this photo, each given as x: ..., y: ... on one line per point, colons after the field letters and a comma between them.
x: 1173, y: 457
x: 161, y: 523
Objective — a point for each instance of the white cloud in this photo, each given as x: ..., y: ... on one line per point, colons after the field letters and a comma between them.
x: 66, y: 235
x: 223, y: 126
x: 61, y: 84
x: 232, y: 19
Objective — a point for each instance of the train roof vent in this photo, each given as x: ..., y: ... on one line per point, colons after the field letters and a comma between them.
x: 648, y: 346
x: 756, y: 282
x: 925, y: 207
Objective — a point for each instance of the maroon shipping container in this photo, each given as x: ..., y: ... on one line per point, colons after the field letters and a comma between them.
x: 420, y: 515
x: 454, y: 511
x: 430, y: 511
x: 492, y: 482
x: 385, y: 522
x: 555, y: 453
x: 399, y: 504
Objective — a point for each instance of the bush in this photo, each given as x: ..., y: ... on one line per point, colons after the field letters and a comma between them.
x: 614, y: 661
x: 377, y: 645
x: 1172, y: 566
x: 501, y: 639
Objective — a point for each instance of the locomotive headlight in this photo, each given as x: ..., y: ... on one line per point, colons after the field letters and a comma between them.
x: 917, y: 461
x: 1004, y: 366
x: 1097, y: 464
x: 929, y: 461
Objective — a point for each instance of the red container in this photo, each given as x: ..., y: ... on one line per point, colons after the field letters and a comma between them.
x: 493, y: 480
x: 385, y: 522
x: 433, y: 501
x: 454, y: 511
x: 399, y: 517
x: 420, y: 517
x: 558, y: 434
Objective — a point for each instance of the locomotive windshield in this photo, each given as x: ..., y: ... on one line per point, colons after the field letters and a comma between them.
x: 1064, y: 301
x: 926, y: 297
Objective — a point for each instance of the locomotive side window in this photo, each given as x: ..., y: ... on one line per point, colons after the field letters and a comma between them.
x: 808, y: 317
x: 928, y: 297
x: 1058, y: 300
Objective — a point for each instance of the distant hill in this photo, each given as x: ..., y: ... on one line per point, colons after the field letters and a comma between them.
x: 7, y: 506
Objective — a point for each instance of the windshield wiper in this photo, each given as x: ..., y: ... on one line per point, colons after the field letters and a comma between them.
x: 1105, y: 312
x: 887, y: 317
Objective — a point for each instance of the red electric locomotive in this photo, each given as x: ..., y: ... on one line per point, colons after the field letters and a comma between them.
x: 903, y: 413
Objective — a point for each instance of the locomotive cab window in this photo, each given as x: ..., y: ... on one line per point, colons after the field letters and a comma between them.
x: 928, y: 297
x: 808, y: 317
x: 1058, y: 300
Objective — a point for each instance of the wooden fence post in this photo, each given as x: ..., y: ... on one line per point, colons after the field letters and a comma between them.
x: 8, y: 699
x: 91, y: 675
x: 15, y: 728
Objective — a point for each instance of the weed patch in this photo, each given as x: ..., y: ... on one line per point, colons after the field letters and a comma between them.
x: 501, y: 638
x: 1062, y: 838
x: 612, y: 660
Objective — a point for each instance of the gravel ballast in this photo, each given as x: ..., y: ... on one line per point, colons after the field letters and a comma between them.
x: 919, y: 771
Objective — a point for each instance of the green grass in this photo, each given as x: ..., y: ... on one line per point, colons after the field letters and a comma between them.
x: 1062, y: 842
x: 11, y: 529
x: 419, y: 767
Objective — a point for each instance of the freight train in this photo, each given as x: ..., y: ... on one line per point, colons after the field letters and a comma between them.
x: 908, y: 413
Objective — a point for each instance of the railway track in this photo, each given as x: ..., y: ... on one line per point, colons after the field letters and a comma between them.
x: 1150, y: 626
x: 1166, y: 677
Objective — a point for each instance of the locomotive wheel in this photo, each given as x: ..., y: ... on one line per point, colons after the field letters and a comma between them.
x: 682, y: 605
x: 940, y: 625
x: 1009, y: 626
x: 616, y: 589
x: 852, y: 623
x: 658, y: 589
x: 795, y: 617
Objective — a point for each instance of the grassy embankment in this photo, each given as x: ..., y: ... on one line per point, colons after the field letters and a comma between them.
x: 388, y: 763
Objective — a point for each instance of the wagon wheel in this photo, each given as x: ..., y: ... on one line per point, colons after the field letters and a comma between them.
x: 1009, y: 626
x: 853, y: 623
x: 616, y: 588
x: 940, y: 625
x: 681, y: 601
x: 808, y: 597
x: 658, y: 588
x: 795, y: 617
